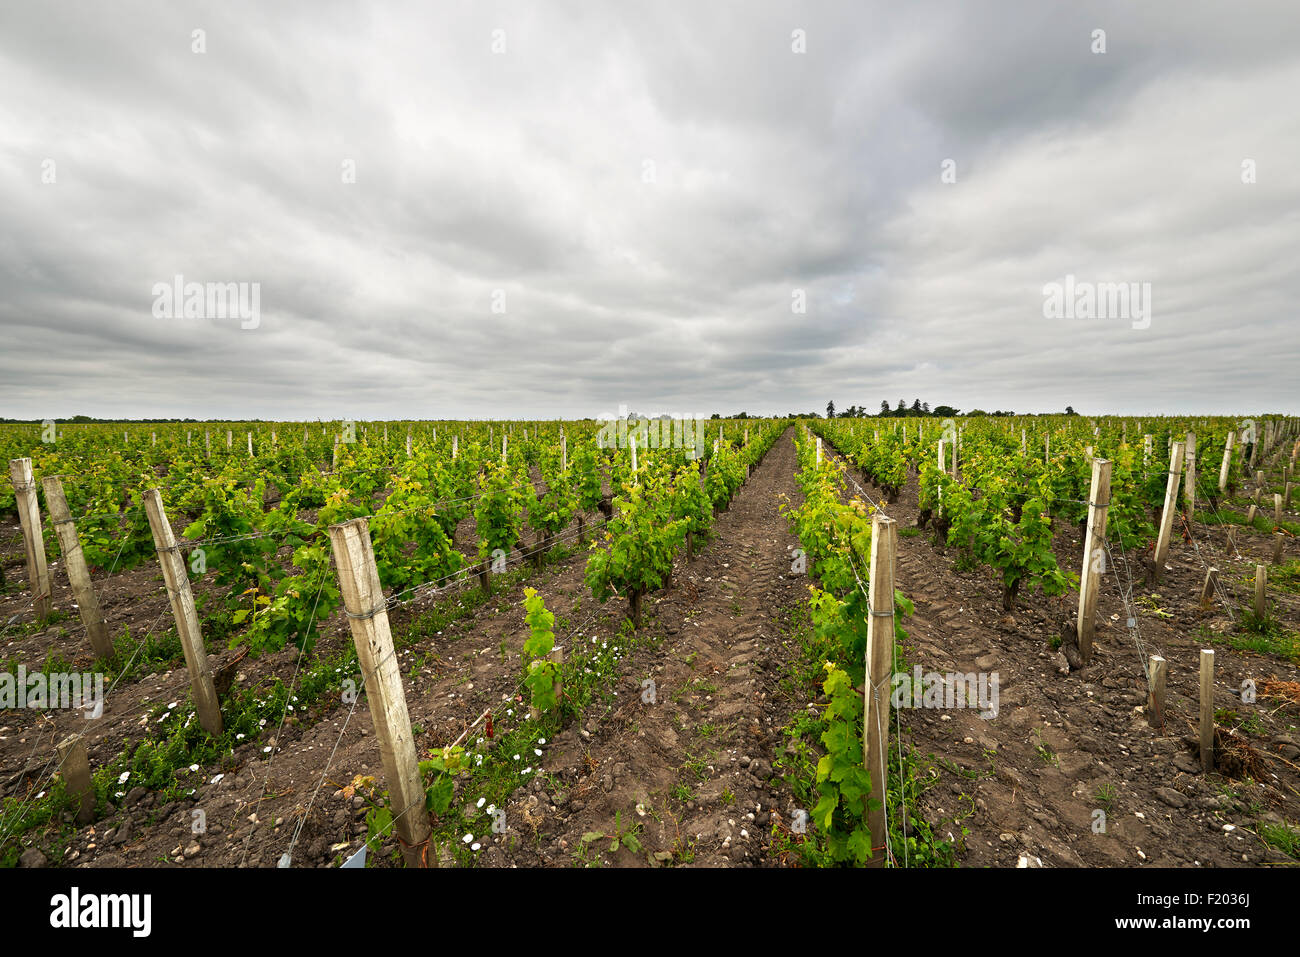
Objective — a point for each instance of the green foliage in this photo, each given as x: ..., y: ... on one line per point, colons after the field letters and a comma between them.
x: 540, y: 673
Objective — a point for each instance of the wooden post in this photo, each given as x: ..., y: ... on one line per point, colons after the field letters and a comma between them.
x: 1278, y: 538
x: 879, y: 672
x: 75, y: 563
x: 408, y: 445
x: 1261, y: 590
x: 504, y: 437
x: 363, y: 598
x: 1094, y: 555
x: 1156, y: 688
x: 564, y: 453
x: 632, y: 440
x: 1277, y: 508
x: 29, y: 514
x: 819, y: 450
x: 250, y: 445
x: 1167, y: 513
x: 230, y: 438
x: 207, y: 443
x: 187, y: 618
x: 1250, y: 514
x: 455, y: 440
x: 1189, y: 485
x: 74, y: 765
x: 1207, y: 589
x: 943, y: 467
x: 1207, y: 710
x: 1146, y: 449
x: 1227, y: 463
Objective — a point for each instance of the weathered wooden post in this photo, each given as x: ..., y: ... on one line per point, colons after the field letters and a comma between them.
x: 1094, y: 555
x: 29, y: 516
x: 1227, y: 463
x: 879, y: 674
x: 1156, y: 688
x: 367, y: 611
x: 75, y: 563
x: 1189, y: 485
x: 74, y: 765
x: 1167, y: 513
x: 1207, y: 710
x: 1261, y: 590
x: 1208, y: 588
x: 183, y: 610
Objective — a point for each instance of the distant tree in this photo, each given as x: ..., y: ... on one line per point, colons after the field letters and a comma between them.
x: 1069, y: 410
x: 884, y: 407
x: 715, y: 416
x: 925, y: 408
x: 902, y: 406
x: 946, y: 411
x: 830, y: 410
x: 916, y: 407
x: 974, y: 412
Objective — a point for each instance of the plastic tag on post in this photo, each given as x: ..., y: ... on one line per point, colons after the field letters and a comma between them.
x: 356, y: 860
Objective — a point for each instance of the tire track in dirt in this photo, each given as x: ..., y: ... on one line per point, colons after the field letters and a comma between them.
x: 691, y: 770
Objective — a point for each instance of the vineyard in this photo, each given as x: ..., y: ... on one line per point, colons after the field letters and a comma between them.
x: 985, y: 641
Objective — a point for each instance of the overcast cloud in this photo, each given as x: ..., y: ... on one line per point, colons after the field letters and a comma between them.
x: 645, y: 187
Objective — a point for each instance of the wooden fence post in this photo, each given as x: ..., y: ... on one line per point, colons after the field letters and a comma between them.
x: 29, y: 514
x: 1156, y: 687
x: 1261, y: 590
x: 1207, y: 710
x: 1227, y: 463
x: 879, y: 673
x: 1094, y: 555
x: 1278, y: 539
x: 363, y: 598
x: 1277, y: 508
x: 1207, y: 589
x: 187, y: 618
x: 74, y: 765
x: 1167, y: 513
x: 1189, y: 485
x: 75, y: 563
x: 250, y: 445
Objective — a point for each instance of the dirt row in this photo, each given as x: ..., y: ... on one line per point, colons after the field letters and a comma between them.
x: 1028, y: 785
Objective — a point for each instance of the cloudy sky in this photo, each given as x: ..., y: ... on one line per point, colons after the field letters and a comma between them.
x: 541, y: 209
